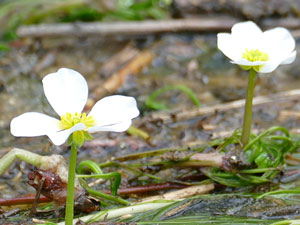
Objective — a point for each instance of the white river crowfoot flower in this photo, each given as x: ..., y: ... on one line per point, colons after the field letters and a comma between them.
x: 67, y: 92
x: 251, y: 48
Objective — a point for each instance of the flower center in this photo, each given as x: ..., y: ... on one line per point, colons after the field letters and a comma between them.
x: 70, y: 119
x: 255, y: 55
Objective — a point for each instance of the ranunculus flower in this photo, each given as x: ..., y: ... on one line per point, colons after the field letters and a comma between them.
x: 67, y: 92
x: 251, y: 48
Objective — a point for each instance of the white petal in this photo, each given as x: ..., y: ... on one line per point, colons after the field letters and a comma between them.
x: 247, y: 35
x: 113, y: 110
x: 269, y: 67
x: 247, y: 28
x: 290, y: 59
x: 60, y: 137
x: 66, y: 91
x: 278, y: 41
x: 118, y: 127
x: 228, y: 46
x: 33, y: 124
x: 245, y: 62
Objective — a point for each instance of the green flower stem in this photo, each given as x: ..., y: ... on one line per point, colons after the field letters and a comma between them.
x: 248, y: 109
x: 71, y: 184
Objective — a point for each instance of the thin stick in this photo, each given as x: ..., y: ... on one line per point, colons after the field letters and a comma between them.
x: 22, y: 200
x: 147, y: 188
x: 126, y: 28
x: 37, y: 197
x: 205, y: 159
x: 183, y: 193
x: 178, y: 115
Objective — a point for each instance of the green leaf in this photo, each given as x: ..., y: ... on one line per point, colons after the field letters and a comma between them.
x: 151, y: 103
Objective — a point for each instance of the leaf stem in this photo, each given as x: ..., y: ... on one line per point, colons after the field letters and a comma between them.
x: 71, y: 184
x: 29, y: 157
x: 248, y: 109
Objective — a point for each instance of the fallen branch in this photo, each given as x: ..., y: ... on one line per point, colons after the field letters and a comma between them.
x: 126, y: 28
x: 22, y: 200
x: 205, y: 159
x: 183, y: 193
x: 176, y: 115
x: 117, y: 79
x: 147, y: 188
x: 114, y: 63
x: 144, y: 27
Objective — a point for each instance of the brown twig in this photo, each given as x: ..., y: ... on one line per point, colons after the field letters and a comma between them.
x: 183, y: 193
x: 126, y: 28
x: 22, y: 200
x: 176, y: 115
x: 37, y: 197
x: 114, y: 63
x: 147, y: 188
x: 222, y: 23
x: 205, y: 159
x: 117, y: 79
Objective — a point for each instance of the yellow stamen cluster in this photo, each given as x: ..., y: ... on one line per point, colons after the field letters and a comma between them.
x: 69, y: 120
x: 255, y: 55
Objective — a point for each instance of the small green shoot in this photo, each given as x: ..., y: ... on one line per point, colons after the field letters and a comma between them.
x: 151, y: 103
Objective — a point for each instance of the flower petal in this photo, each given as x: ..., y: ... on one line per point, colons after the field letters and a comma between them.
x: 246, y: 29
x: 33, y: 124
x: 278, y: 42
x: 228, y: 46
x: 269, y: 67
x: 118, y: 127
x: 113, y: 110
x: 66, y: 91
x: 245, y: 62
x: 60, y: 137
x: 290, y: 59
x: 246, y: 35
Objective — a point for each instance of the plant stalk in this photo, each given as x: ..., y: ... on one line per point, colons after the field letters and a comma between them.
x: 71, y: 184
x: 16, y: 153
x: 248, y: 109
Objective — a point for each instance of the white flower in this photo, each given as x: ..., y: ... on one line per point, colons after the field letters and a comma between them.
x: 67, y: 92
x: 249, y: 47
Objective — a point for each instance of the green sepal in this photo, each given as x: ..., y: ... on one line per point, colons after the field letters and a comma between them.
x: 70, y: 140
x: 256, y: 68
x: 87, y: 136
x: 245, y: 67
x: 78, y: 138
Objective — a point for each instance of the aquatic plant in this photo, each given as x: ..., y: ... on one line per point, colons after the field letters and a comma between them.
x: 67, y: 92
x: 256, y: 51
